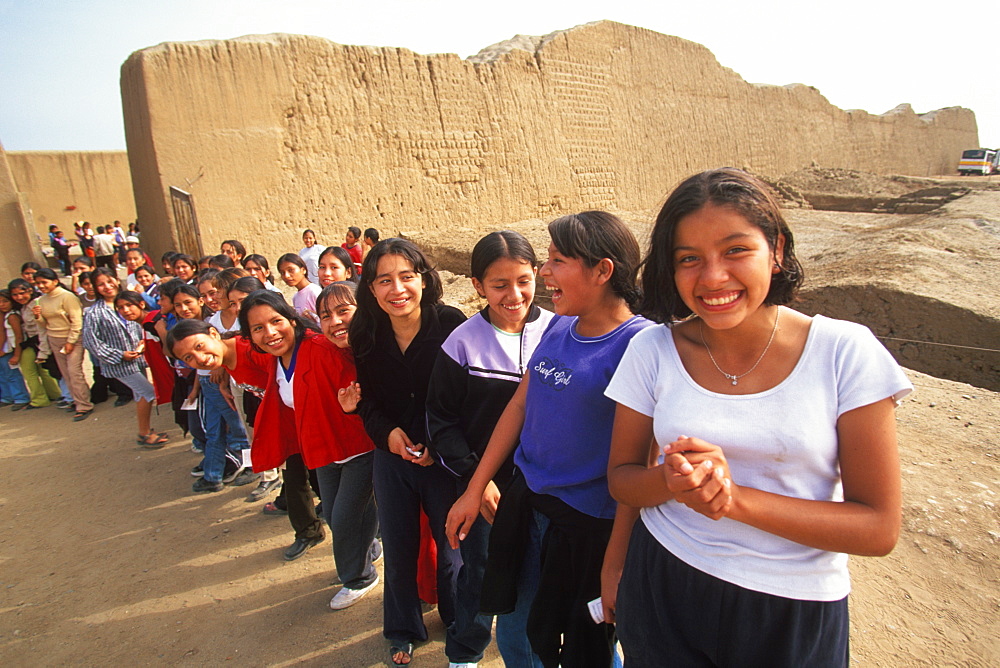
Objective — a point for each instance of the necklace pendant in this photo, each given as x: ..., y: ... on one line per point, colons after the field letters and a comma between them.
x: 734, y: 381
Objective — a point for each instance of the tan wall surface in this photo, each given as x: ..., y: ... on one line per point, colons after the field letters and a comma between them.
x: 19, y: 244
x: 272, y: 134
x: 97, y: 183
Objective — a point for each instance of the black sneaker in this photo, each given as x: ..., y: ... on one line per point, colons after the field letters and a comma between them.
x: 232, y: 469
x: 245, y: 477
x: 202, y: 486
x: 262, y: 489
x: 198, y: 471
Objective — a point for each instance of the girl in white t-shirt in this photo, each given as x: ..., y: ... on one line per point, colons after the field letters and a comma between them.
x: 779, y: 444
x: 310, y: 255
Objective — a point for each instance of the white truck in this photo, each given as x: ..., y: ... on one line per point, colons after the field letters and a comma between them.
x: 982, y: 161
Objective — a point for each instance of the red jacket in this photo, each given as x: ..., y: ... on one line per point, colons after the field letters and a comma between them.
x: 317, y: 428
x: 251, y: 365
x: 163, y: 373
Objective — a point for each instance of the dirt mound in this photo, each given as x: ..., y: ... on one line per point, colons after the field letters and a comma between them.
x: 851, y: 190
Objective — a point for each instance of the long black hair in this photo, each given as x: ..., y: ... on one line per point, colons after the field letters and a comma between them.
x: 21, y: 284
x: 191, y: 291
x: 369, y: 319
x: 283, y: 308
x: 345, y: 259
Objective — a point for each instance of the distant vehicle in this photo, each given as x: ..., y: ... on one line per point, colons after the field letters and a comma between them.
x: 983, y: 161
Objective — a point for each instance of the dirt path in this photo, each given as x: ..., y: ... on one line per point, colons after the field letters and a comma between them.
x: 108, y: 558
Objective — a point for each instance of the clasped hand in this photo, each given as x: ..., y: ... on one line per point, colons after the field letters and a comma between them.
x: 697, y: 474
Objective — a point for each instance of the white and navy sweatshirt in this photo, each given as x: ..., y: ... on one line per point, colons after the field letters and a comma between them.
x: 475, y: 375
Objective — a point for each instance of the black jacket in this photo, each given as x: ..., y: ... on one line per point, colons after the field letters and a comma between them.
x: 394, y: 384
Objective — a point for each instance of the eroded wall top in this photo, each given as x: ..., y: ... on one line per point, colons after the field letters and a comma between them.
x: 272, y: 134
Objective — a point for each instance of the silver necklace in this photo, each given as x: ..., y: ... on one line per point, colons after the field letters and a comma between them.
x: 729, y: 376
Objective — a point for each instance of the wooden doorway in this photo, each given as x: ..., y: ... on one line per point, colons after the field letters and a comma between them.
x: 186, y: 222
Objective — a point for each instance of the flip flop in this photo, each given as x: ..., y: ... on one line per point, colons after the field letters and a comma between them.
x: 400, y: 647
x: 157, y: 442
x: 82, y: 415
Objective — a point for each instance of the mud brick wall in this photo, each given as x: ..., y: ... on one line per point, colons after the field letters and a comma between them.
x: 63, y: 187
x: 273, y: 134
x: 20, y: 243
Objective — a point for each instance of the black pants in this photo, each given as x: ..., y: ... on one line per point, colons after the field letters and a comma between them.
x: 102, y: 384
x: 401, y: 490
x: 669, y: 610
x: 298, y: 497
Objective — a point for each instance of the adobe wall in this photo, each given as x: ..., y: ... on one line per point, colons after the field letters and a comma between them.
x: 272, y: 134
x: 19, y: 244
x: 63, y: 187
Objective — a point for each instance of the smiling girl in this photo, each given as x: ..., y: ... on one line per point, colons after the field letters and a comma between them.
x: 42, y: 387
x: 396, y: 335
x: 334, y: 265
x: 558, y: 427
x: 225, y: 435
x: 116, y: 342
x: 779, y: 444
x: 295, y: 426
x: 12, y: 387
x: 476, y: 374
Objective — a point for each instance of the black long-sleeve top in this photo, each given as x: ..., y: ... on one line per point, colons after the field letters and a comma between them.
x: 394, y: 384
x: 474, y: 378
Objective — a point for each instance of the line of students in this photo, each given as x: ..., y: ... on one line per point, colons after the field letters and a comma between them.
x: 687, y: 466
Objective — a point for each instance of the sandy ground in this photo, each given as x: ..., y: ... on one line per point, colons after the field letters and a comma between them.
x: 107, y: 557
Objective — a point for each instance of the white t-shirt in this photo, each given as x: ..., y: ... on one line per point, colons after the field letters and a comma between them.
x: 783, y: 440
x: 286, y: 386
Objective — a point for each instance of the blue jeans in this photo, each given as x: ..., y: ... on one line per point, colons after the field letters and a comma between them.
x: 64, y: 388
x: 12, y: 388
x: 469, y: 636
x: 216, y: 412
x: 349, y: 511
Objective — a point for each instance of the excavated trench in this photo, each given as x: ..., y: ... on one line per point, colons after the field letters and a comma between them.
x: 941, y: 339
x: 955, y: 343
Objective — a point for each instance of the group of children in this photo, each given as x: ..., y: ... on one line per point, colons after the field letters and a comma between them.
x: 681, y: 468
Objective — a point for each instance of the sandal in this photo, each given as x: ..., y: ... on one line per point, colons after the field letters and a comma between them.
x: 270, y: 508
x: 158, y: 440
x: 400, y: 647
x: 82, y: 415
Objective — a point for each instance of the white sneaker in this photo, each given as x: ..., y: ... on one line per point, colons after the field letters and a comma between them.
x: 452, y: 664
x: 345, y: 598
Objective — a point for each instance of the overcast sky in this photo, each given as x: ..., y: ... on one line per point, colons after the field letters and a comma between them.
x: 60, y: 59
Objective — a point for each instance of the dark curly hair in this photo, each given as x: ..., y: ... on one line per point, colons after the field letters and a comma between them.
x: 726, y: 187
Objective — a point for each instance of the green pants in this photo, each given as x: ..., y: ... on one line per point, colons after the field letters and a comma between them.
x: 43, y: 388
